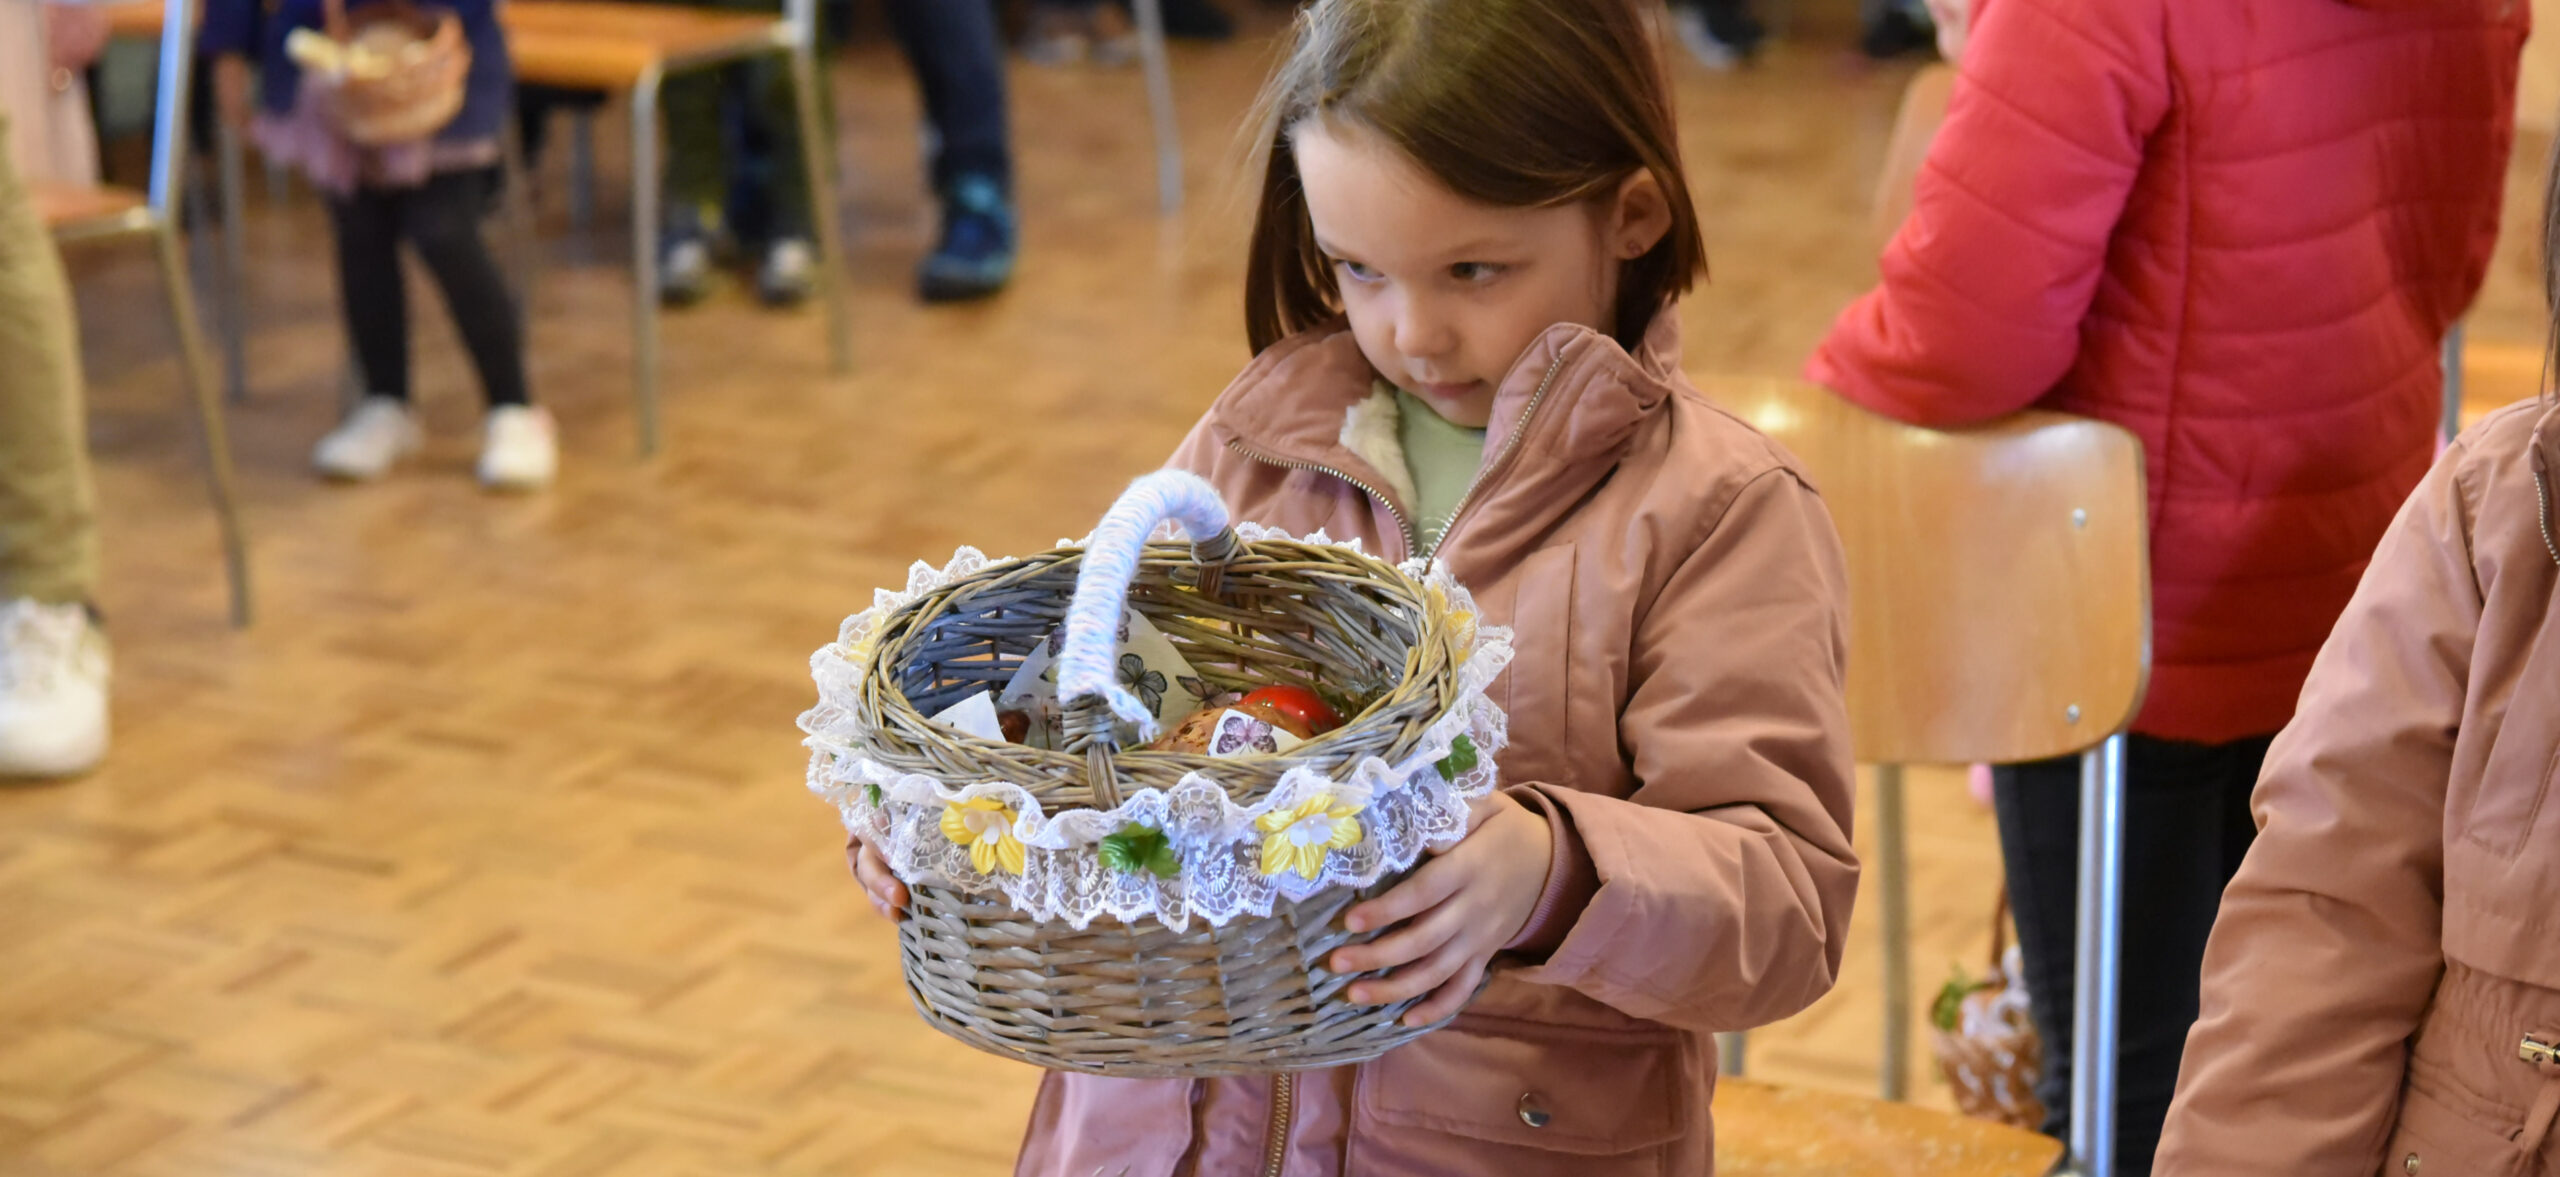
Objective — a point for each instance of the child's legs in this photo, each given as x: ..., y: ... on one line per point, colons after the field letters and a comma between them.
x: 376, y: 302
x: 442, y: 222
x: 774, y: 173
x: 959, y: 64
x: 2180, y: 851
x: 697, y: 167
x: 48, y: 507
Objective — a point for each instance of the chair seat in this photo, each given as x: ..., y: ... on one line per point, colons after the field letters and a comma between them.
x: 70, y: 204
x: 585, y: 44
x: 1766, y: 1131
x: 137, y: 19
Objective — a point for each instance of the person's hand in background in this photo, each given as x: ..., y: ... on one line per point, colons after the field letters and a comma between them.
x: 75, y: 34
x: 1954, y: 19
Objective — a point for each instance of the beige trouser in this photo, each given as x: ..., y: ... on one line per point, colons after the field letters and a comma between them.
x: 48, y: 509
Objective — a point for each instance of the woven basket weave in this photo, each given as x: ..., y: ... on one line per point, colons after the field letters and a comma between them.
x: 1137, y: 998
x: 421, y: 93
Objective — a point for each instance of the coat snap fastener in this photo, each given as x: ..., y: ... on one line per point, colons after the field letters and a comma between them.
x: 1533, y: 1113
x: 2409, y: 1165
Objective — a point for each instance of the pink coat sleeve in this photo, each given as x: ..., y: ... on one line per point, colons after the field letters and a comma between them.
x: 2316, y: 976
x: 1985, y: 285
x: 1725, y: 879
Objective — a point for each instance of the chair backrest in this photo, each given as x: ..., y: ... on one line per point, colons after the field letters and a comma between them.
x: 1924, y: 109
x: 169, y: 109
x: 1999, y: 577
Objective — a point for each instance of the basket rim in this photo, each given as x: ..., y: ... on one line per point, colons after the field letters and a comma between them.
x: 1059, y: 777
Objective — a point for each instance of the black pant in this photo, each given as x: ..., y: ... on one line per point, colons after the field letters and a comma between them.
x: 958, y: 57
x: 441, y: 221
x: 2186, y: 827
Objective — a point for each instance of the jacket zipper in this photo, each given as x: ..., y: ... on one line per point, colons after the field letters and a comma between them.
x: 1519, y: 429
x: 2542, y: 510
x: 1412, y: 538
x: 1284, y: 1108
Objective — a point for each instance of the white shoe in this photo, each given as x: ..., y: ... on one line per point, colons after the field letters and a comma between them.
x: 53, y: 690
x: 362, y: 448
x: 520, y: 450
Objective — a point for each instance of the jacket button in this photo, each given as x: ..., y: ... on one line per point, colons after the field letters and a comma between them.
x: 2409, y: 1165
x: 1532, y: 1112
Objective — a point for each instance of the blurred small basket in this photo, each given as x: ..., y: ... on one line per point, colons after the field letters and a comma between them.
x: 1051, y: 950
x: 1985, y: 1040
x: 415, y: 89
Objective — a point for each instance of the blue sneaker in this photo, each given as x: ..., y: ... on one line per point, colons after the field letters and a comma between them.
x: 975, y: 258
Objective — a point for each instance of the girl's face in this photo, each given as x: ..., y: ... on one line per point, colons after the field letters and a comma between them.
x: 1444, y: 293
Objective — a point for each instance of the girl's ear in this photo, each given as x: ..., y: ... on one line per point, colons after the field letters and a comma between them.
x: 1639, y: 216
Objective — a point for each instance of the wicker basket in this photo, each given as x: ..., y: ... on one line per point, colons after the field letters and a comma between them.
x: 1992, y: 1057
x: 420, y: 92
x: 1136, y: 997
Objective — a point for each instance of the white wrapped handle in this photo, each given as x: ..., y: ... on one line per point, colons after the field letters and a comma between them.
x: 1085, y: 665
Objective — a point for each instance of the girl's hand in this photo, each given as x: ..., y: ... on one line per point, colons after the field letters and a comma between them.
x: 76, y: 34
x: 888, y: 895
x: 233, y: 90
x: 1457, y: 911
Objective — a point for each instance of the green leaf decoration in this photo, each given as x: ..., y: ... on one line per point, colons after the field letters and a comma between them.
x: 1141, y: 848
x: 1949, y: 1007
x: 1461, y: 760
x: 871, y: 793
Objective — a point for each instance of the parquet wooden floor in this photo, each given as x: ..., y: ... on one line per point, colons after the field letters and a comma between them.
x: 486, y: 852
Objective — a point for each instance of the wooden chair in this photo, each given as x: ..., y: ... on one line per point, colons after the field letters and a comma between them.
x: 1765, y: 1131
x: 1999, y: 583
x: 600, y: 45
x: 95, y: 214
x: 1915, y: 127
x: 140, y: 20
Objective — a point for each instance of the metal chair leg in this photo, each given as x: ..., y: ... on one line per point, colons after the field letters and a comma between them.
x: 2094, y: 989
x: 1731, y: 1046
x: 1159, y: 72
x: 644, y: 256
x: 1893, y: 867
x: 817, y: 151
x: 217, y: 441
x: 234, y: 280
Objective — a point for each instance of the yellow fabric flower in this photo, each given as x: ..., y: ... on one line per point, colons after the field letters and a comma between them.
x: 1462, y: 625
x: 985, y: 826
x: 1298, y: 839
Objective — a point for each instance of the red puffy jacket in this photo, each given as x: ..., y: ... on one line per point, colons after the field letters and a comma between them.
x: 2239, y: 228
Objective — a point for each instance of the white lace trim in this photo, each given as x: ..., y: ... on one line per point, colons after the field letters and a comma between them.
x: 1404, y: 809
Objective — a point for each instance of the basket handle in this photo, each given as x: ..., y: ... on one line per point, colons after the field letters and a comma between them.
x: 1088, y: 686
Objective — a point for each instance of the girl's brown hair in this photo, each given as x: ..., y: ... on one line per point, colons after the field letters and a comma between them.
x: 1514, y: 103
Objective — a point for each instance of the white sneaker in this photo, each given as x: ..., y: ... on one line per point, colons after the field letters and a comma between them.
x: 362, y: 448
x: 520, y: 450
x: 53, y: 690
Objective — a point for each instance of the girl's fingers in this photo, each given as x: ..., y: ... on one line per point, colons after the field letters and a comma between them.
x: 1415, y: 979
x: 1435, y: 882
x: 1416, y: 939
x: 888, y: 895
x: 1449, y: 998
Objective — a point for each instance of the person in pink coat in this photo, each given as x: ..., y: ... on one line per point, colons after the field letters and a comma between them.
x: 1473, y: 231
x: 2239, y: 228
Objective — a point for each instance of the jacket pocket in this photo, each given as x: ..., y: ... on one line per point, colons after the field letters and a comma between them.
x: 1535, y: 687
x: 1523, y: 1099
x: 2434, y: 1140
x: 1086, y: 1124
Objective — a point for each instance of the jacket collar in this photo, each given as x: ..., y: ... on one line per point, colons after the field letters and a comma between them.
x: 1572, y: 398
